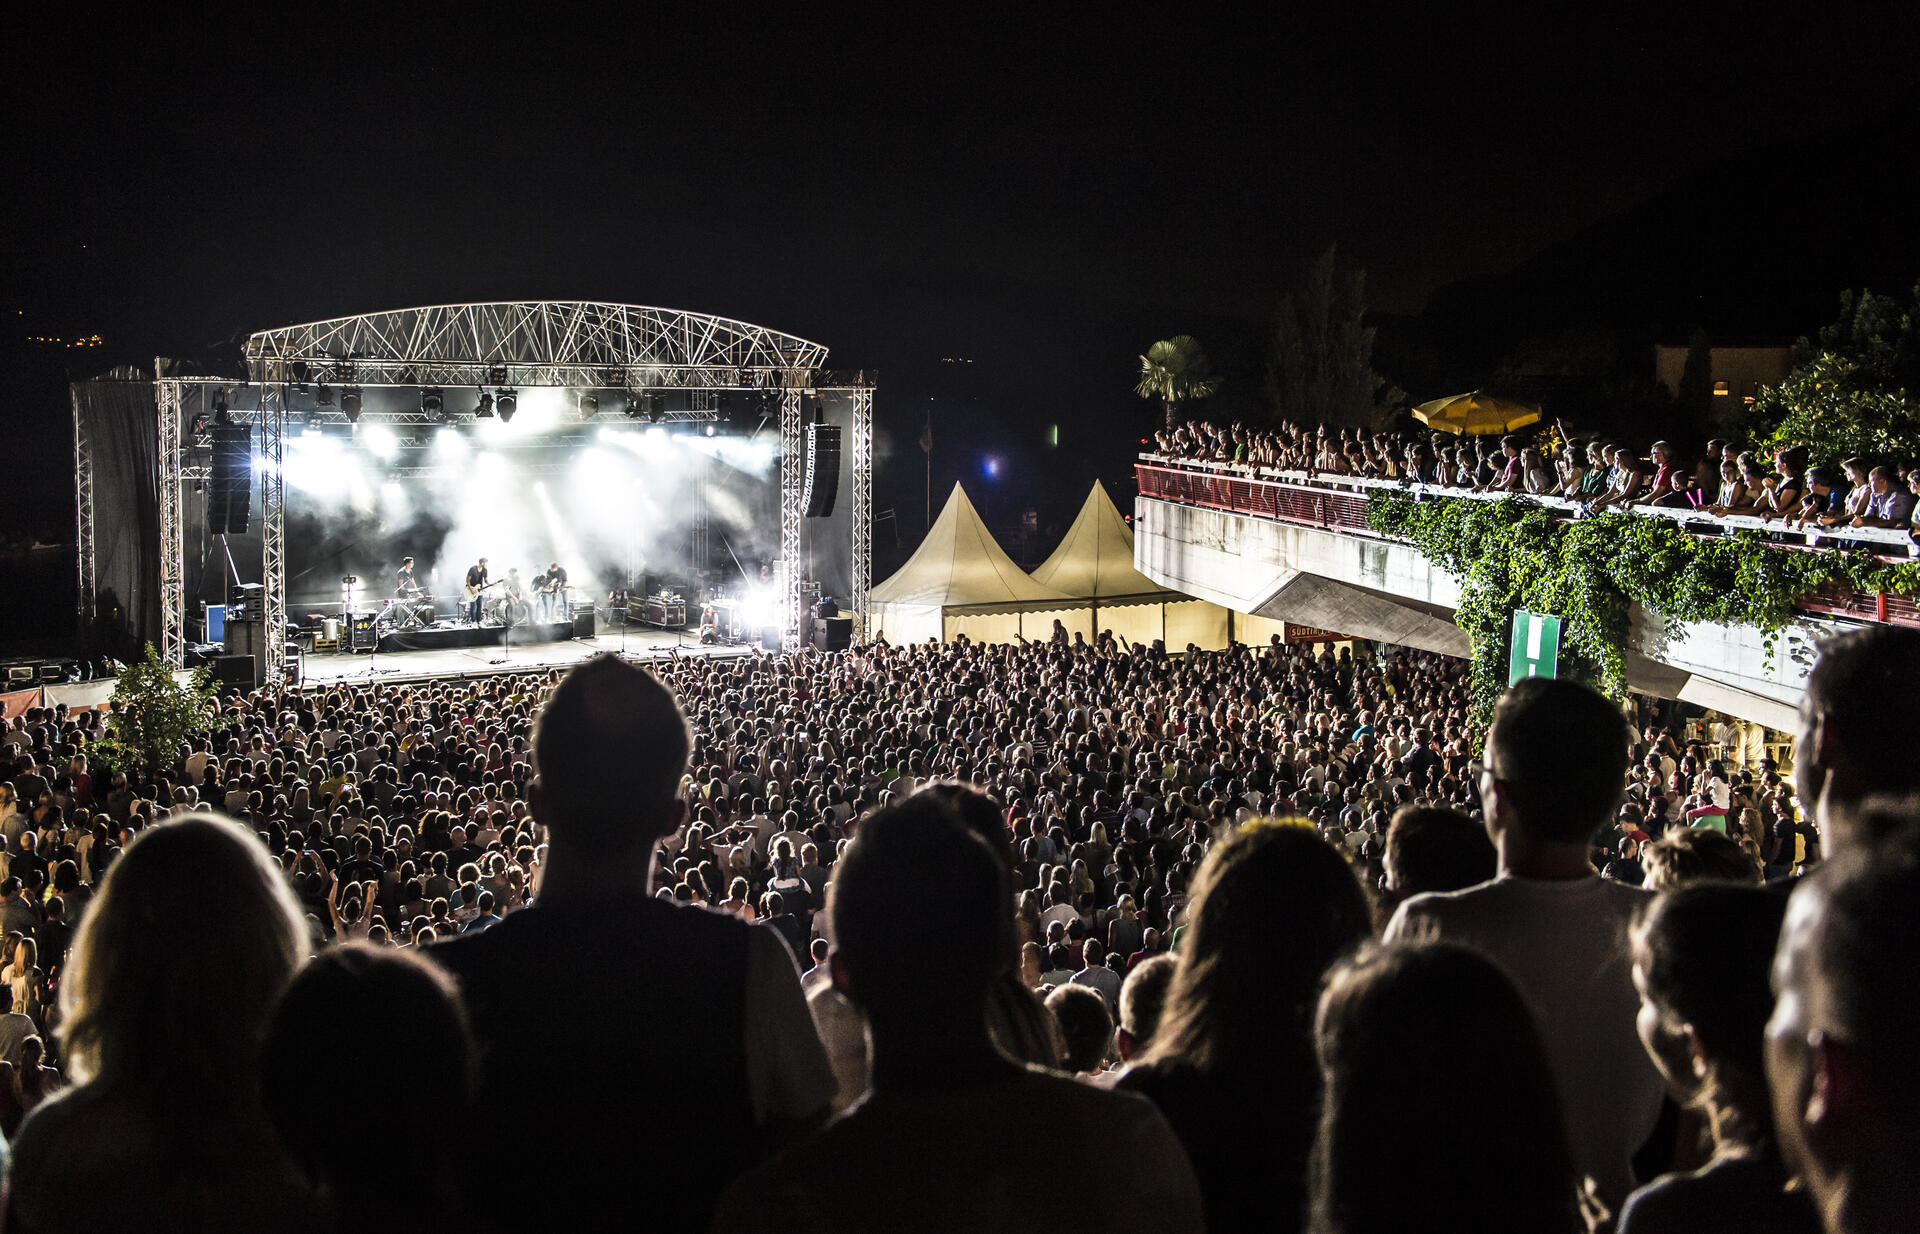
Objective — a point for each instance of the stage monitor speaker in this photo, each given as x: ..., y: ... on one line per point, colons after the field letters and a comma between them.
x: 833, y: 633
x: 235, y: 671
x: 583, y: 622
x: 244, y: 637
x: 823, y: 469
x: 230, y: 480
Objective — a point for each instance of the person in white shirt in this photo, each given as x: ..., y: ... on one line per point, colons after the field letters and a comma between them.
x: 1555, y: 759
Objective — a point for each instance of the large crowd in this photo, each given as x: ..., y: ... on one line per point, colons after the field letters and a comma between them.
x: 1595, y: 472
x: 1043, y: 935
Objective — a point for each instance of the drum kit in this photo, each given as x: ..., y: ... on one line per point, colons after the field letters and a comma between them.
x: 506, y: 610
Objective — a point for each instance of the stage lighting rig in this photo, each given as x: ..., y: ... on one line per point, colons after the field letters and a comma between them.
x: 483, y: 410
x: 656, y: 407
x: 636, y: 404
x: 589, y: 404
x: 508, y: 403
x: 322, y: 395
x: 350, y: 403
x: 432, y: 405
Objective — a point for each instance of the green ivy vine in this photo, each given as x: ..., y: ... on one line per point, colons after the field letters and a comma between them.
x: 1517, y: 554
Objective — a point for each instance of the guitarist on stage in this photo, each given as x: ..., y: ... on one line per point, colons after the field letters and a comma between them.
x: 553, y: 589
x: 476, y: 583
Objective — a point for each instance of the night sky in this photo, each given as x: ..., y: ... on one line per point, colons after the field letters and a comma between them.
x: 1039, y: 195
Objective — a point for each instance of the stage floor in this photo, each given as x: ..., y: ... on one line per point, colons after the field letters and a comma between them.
x: 641, y: 643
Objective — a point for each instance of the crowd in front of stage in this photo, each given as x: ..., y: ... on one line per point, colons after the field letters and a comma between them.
x: 1057, y: 935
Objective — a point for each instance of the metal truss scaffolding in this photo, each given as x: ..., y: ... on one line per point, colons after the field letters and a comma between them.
x: 793, y: 470
x: 862, y: 463
x: 273, y: 532
x: 83, y: 525
x: 564, y: 344
x: 173, y: 571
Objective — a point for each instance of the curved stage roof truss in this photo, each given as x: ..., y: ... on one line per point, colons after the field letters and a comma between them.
x: 536, y: 343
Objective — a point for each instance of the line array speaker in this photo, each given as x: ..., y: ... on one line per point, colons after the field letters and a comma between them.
x: 823, y: 469
x: 230, y: 487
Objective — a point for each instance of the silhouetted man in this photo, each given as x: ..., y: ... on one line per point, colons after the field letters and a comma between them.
x: 1840, y: 1045
x: 954, y: 1134
x: 637, y: 1055
x: 1556, y: 759
x: 1854, y: 738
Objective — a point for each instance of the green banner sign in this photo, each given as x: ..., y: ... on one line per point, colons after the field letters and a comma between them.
x: 1536, y: 646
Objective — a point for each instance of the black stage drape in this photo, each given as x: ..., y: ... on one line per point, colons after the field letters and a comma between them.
x: 122, y: 426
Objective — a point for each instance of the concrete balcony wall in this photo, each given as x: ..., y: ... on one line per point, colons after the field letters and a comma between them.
x: 1386, y: 590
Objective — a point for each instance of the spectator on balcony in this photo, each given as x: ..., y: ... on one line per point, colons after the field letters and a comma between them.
x: 1732, y: 497
x: 1510, y: 472
x: 1663, y: 467
x: 1706, y: 472
x: 1597, y: 475
x: 1783, y: 494
x: 1569, y: 469
x: 1624, y: 482
x: 1679, y: 493
x: 1537, y: 476
x: 1889, y: 504
x: 1826, y: 495
x: 1858, y: 493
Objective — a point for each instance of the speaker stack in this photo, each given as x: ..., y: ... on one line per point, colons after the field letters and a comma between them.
x: 230, y: 485
x: 823, y: 469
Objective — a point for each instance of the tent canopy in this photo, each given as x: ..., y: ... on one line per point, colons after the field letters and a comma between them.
x: 959, y: 563
x: 1095, y: 559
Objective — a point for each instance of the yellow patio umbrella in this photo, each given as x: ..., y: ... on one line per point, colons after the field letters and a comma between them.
x: 1477, y: 413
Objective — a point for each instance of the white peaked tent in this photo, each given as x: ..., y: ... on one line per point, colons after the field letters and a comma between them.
x: 959, y: 581
x: 1094, y: 567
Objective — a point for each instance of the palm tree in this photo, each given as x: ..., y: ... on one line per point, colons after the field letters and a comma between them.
x: 1174, y: 370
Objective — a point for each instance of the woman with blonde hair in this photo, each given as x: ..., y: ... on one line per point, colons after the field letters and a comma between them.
x: 166, y: 990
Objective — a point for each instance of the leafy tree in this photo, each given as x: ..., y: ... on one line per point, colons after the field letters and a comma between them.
x: 1851, y: 392
x: 153, y: 716
x: 1173, y: 371
x: 1320, y: 368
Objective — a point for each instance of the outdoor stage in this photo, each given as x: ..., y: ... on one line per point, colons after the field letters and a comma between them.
x: 640, y: 644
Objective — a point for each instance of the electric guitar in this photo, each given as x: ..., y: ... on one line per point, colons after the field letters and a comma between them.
x: 473, y: 593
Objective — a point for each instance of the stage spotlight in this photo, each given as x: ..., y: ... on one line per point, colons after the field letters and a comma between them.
x: 636, y: 405
x: 724, y: 404
x: 589, y: 405
x: 709, y: 429
x: 220, y: 415
x: 323, y: 395
x: 432, y: 405
x: 483, y: 410
x: 508, y: 403
x: 350, y: 403
x: 497, y: 375
x: 657, y: 408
